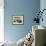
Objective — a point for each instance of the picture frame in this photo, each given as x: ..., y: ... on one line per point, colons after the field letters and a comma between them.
x: 18, y: 20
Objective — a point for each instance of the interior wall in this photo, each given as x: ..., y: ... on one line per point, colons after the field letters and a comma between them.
x: 1, y: 20
x: 43, y: 6
x: 28, y: 9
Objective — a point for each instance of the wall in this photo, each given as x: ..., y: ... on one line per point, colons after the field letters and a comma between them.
x: 27, y: 8
x: 1, y: 20
x: 43, y: 6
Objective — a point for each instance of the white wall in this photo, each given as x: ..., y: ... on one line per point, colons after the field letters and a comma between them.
x: 1, y: 20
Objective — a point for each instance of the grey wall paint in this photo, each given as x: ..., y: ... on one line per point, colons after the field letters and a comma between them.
x: 27, y: 8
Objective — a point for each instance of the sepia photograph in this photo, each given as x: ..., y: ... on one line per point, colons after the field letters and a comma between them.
x: 17, y: 19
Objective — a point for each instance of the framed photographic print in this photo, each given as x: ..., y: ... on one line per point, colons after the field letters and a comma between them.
x: 17, y: 20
